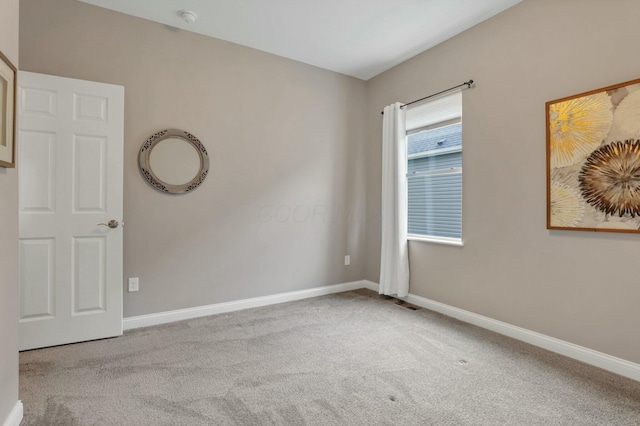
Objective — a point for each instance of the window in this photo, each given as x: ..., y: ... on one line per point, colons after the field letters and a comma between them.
x: 434, y: 170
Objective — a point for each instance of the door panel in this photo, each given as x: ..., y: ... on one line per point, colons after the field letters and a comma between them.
x: 89, y: 275
x: 89, y: 174
x: 37, y: 194
x: 70, y: 179
x: 38, y: 281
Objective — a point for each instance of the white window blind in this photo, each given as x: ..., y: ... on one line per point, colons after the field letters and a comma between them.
x: 434, y: 151
x: 440, y: 110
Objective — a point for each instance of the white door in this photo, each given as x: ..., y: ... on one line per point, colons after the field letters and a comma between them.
x: 70, y: 151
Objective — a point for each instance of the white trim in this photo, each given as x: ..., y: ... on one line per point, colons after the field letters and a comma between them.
x: 437, y: 125
x: 607, y: 362
x: 439, y: 172
x: 15, y: 416
x: 371, y: 285
x: 434, y: 152
x: 439, y: 240
x: 219, y: 308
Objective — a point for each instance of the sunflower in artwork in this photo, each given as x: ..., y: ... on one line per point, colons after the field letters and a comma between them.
x: 577, y: 127
x: 566, y: 208
x: 610, y: 179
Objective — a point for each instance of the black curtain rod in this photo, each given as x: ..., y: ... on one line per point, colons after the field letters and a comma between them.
x: 466, y: 83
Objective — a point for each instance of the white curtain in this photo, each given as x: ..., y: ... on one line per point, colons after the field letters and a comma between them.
x: 394, y: 258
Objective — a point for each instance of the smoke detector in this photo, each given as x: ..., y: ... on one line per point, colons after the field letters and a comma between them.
x: 188, y: 16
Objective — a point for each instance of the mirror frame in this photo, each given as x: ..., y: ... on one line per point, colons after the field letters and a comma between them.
x: 145, y: 166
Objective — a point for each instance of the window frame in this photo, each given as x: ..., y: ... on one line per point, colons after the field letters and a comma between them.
x: 457, y: 170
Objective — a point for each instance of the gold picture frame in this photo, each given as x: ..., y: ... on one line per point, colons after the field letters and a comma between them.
x: 593, y: 160
x: 8, y: 85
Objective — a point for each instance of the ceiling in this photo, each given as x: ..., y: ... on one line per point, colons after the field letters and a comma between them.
x: 360, y: 38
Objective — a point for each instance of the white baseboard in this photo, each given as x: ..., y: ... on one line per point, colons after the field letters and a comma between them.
x: 15, y: 416
x: 586, y: 355
x: 580, y: 353
x: 371, y: 285
x: 219, y: 308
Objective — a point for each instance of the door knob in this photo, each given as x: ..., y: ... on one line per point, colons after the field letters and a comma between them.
x: 113, y: 224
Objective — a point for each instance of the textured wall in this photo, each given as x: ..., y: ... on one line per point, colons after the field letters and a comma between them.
x: 8, y: 239
x: 577, y: 286
x: 282, y: 203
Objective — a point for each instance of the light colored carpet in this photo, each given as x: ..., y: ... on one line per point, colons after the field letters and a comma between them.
x: 346, y: 359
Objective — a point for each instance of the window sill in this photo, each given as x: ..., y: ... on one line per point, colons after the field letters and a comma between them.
x: 438, y: 240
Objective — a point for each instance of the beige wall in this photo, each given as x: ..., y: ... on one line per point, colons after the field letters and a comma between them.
x: 8, y: 240
x: 576, y: 286
x: 283, y: 134
x: 281, y: 205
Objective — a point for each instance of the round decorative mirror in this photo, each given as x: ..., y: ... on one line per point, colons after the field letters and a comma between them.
x: 173, y: 161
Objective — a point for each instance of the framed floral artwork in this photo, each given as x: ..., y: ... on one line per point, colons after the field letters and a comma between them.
x: 7, y: 112
x: 593, y: 160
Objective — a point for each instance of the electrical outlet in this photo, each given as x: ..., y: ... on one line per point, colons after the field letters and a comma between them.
x: 347, y: 260
x: 134, y: 284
